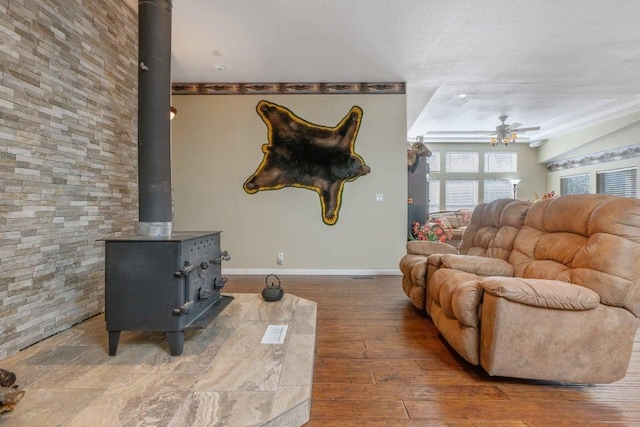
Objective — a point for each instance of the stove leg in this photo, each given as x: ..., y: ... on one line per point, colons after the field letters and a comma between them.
x: 114, y: 337
x: 176, y: 342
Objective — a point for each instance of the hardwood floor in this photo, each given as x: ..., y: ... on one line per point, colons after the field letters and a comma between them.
x: 380, y: 362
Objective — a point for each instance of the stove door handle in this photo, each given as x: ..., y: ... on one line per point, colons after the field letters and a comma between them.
x: 184, y: 271
x: 219, y: 282
x: 224, y: 256
x: 183, y: 309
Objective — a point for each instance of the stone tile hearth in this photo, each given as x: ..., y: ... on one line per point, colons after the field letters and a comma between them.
x: 224, y: 377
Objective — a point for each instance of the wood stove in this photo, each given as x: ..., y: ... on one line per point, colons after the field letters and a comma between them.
x: 162, y: 284
x: 159, y: 280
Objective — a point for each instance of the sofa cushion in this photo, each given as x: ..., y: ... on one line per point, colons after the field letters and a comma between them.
x: 493, y: 228
x: 449, y: 219
x: 443, y: 284
x: 542, y: 293
x: 427, y: 247
x: 477, y: 265
x: 592, y: 240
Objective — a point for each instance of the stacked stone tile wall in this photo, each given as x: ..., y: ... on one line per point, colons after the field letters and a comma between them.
x: 68, y: 165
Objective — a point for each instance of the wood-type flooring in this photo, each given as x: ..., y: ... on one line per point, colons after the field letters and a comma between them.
x: 380, y: 362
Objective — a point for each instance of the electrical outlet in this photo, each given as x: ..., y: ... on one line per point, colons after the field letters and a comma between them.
x: 280, y: 258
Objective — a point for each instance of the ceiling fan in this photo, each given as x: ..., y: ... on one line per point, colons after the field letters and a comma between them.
x: 506, y: 134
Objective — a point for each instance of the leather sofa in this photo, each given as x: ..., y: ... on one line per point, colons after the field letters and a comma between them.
x: 487, y: 221
x: 555, y: 296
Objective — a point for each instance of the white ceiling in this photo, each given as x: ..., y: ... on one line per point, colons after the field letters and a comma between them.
x: 556, y: 64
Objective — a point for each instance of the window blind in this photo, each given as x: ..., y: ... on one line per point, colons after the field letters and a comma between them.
x: 461, y: 194
x: 620, y: 182
x: 574, y: 184
x: 458, y: 161
x: 434, y: 162
x: 500, y: 162
x: 497, y: 189
x: 434, y: 195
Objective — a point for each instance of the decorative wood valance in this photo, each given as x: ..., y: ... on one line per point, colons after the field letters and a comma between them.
x: 622, y: 153
x: 287, y: 88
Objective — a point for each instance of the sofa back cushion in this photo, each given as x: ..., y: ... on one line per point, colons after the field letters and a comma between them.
x: 493, y: 228
x: 448, y: 218
x: 592, y: 240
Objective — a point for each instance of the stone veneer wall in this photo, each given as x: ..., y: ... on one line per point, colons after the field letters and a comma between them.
x: 68, y: 165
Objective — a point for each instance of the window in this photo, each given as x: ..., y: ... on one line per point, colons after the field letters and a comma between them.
x: 620, y: 182
x: 457, y: 161
x: 434, y: 162
x: 500, y: 162
x: 497, y: 189
x: 434, y: 195
x: 461, y: 194
x: 574, y: 184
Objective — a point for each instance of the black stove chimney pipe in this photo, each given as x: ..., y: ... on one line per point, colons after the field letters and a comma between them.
x: 154, y: 129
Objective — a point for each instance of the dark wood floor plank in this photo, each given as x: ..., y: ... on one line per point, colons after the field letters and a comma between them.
x: 497, y: 410
x: 337, y: 364
x: 381, y: 362
x: 391, y: 391
x: 362, y: 409
x: 342, y: 376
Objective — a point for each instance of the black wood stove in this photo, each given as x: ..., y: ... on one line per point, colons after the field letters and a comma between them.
x: 162, y: 284
x: 159, y: 280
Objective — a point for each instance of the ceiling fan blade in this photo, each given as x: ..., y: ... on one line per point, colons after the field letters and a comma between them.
x: 514, y: 125
x: 526, y: 129
x: 486, y: 136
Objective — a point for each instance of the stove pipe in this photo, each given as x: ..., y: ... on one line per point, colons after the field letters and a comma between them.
x: 154, y: 128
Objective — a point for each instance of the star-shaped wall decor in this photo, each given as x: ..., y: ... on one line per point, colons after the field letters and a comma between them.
x: 305, y: 155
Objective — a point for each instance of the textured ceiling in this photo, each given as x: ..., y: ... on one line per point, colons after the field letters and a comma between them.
x: 556, y: 64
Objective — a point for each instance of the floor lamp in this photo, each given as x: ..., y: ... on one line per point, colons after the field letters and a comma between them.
x: 515, y: 183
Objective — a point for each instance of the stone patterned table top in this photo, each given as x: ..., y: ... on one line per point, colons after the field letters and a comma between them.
x: 224, y: 377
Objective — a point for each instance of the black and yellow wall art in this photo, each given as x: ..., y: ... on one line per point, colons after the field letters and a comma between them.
x: 306, y: 155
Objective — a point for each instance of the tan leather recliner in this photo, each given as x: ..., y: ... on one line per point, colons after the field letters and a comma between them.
x: 564, y: 306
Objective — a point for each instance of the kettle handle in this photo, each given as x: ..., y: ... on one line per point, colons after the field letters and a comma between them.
x: 266, y: 280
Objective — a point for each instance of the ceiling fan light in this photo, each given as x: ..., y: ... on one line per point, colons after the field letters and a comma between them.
x: 507, y: 134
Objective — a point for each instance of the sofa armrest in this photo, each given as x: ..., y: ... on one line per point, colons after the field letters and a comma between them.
x: 465, y: 302
x: 479, y: 265
x: 542, y: 293
x: 427, y: 247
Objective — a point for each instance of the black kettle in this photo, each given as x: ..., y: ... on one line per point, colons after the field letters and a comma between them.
x: 272, y: 291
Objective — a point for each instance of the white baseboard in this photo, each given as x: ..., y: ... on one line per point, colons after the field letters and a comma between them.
x: 311, y: 272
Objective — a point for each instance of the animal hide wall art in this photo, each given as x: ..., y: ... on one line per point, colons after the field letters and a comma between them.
x: 305, y: 155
